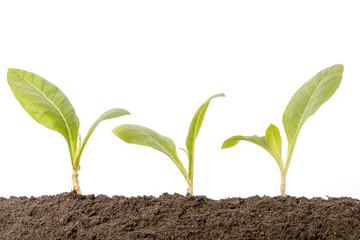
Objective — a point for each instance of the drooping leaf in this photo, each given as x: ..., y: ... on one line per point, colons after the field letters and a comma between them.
x: 307, y: 100
x: 194, y: 129
x: 110, y: 114
x: 140, y: 135
x: 260, y: 141
x: 46, y: 104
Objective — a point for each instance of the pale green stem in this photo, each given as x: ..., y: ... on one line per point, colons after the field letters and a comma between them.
x: 75, y: 180
x: 78, y: 156
x: 291, y: 148
x: 182, y: 170
x: 283, y: 185
x: 191, y: 173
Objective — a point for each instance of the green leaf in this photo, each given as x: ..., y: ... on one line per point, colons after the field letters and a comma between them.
x: 194, y: 129
x: 260, y: 141
x: 307, y: 100
x: 140, y: 135
x: 273, y: 140
x: 110, y: 114
x: 46, y: 104
x: 274, y: 143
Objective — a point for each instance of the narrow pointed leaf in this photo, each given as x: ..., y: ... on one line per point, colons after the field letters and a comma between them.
x: 196, y: 122
x: 194, y: 129
x: 307, y: 100
x: 46, y: 104
x: 273, y: 140
x: 260, y: 141
x: 110, y: 114
x: 140, y: 135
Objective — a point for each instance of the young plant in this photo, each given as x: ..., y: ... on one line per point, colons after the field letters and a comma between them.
x: 140, y: 135
x: 49, y: 106
x: 305, y: 102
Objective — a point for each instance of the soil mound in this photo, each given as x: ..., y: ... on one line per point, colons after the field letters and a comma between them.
x: 69, y: 216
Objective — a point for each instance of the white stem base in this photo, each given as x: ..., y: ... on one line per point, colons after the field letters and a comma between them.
x: 190, y: 190
x: 283, y: 185
x: 75, y: 180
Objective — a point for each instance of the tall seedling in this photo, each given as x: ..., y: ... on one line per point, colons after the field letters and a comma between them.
x: 140, y: 135
x: 49, y: 106
x: 305, y: 102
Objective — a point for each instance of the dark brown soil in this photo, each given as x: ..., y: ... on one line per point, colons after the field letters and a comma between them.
x: 69, y: 216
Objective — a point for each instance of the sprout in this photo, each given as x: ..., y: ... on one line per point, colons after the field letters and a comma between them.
x: 305, y: 102
x: 140, y: 135
x: 49, y: 106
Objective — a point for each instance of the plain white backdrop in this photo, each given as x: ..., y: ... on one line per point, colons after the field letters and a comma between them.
x: 161, y: 60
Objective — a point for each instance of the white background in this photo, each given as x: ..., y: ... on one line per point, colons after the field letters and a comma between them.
x: 161, y: 60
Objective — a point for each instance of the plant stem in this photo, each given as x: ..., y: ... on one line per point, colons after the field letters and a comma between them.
x: 190, y: 189
x: 75, y: 180
x: 282, y: 185
x: 191, y: 175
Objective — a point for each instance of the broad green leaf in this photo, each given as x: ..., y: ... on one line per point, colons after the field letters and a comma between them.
x: 273, y: 140
x: 307, y: 100
x: 140, y: 135
x: 194, y: 129
x: 110, y: 114
x: 45, y: 103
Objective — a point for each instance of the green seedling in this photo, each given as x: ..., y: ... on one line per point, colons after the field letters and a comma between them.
x: 305, y: 102
x: 49, y: 106
x: 140, y: 135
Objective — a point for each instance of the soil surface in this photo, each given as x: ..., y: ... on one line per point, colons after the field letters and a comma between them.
x: 69, y: 216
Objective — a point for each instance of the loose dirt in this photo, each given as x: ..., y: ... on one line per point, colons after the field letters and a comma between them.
x: 69, y: 216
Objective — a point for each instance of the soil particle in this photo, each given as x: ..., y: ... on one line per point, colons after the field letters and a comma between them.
x: 70, y: 216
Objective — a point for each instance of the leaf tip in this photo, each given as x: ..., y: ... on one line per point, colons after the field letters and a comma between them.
x: 115, y: 129
x: 228, y: 143
x: 217, y: 95
x: 338, y: 68
x: 341, y: 66
x: 126, y: 112
x: 220, y: 95
x: 12, y: 69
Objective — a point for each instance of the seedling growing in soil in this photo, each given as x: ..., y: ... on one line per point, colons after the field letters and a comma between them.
x: 305, y: 102
x: 140, y: 135
x: 49, y: 106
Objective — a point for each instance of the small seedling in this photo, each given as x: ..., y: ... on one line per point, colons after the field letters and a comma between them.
x: 305, y: 102
x: 49, y: 106
x: 140, y: 135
